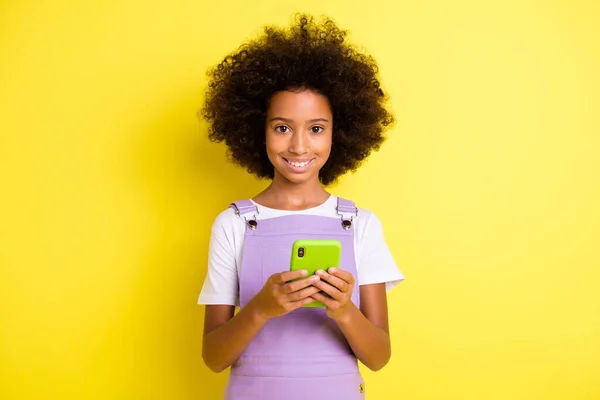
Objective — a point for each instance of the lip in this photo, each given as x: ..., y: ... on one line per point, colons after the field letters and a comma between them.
x: 298, y: 160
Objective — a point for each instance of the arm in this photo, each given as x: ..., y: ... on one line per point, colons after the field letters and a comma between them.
x: 226, y: 336
x: 366, y: 329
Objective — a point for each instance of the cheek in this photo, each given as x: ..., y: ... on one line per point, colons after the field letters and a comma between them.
x: 274, y: 145
x: 270, y: 143
x: 323, y: 147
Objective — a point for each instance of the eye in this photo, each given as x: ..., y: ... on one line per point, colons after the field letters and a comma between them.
x: 317, y: 129
x: 282, y: 129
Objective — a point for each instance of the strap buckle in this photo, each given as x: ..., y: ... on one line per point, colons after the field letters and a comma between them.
x: 247, y: 207
x: 345, y: 212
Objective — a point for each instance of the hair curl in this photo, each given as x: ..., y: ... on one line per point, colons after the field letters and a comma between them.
x: 308, y: 55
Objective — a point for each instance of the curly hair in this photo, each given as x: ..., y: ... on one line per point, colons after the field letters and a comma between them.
x: 311, y: 55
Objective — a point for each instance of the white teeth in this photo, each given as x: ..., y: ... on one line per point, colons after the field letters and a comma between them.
x: 297, y: 164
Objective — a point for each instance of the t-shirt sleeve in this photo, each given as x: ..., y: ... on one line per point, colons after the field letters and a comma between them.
x: 376, y: 263
x: 221, y: 282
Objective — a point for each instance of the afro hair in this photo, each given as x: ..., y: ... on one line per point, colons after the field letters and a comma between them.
x: 311, y: 55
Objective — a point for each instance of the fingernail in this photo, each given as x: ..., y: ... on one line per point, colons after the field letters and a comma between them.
x: 304, y: 272
x: 319, y: 272
x: 332, y: 270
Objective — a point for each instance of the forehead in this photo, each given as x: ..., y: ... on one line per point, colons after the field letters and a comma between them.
x: 305, y: 103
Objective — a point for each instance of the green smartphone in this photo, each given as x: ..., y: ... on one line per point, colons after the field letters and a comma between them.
x: 313, y: 255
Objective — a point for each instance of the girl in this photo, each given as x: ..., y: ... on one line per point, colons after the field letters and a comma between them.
x: 300, y: 107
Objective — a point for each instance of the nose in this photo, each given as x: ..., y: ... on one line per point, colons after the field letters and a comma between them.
x: 299, y: 143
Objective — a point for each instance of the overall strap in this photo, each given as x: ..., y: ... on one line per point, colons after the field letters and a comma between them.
x: 347, y: 210
x: 244, y: 208
x: 346, y: 207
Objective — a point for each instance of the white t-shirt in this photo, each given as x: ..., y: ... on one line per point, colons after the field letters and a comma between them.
x: 374, y: 262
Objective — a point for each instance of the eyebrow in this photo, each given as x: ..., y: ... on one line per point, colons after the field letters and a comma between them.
x: 287, y: 120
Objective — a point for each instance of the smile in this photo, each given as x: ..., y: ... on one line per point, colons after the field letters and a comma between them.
x: 299, y: 164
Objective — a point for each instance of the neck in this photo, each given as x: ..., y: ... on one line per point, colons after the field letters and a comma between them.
x: 282, y: 193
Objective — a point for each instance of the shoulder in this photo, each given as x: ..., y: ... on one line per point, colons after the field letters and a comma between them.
x: 367, y: 221
x: 365, y: 214
x: 227, y: 222
x: 224, y: 218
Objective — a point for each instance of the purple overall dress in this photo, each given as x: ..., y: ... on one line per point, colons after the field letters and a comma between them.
x: 303, y: 354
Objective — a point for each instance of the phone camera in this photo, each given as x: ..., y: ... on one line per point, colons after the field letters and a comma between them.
x: 301, y: 252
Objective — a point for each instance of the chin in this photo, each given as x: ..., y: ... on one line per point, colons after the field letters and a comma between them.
x: 297, y: 178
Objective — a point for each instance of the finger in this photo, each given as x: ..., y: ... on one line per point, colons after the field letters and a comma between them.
x: 300, y: 303
x: 328, y: 301
x: 344, y: 275
x: 302, y: 294
x: 286, y: 276
x: 342, y: 285
x: 329, y: 289
x: 291, y: 287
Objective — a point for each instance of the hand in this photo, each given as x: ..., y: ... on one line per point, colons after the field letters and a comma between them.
x: 279, y: 296
x: 338, y: 284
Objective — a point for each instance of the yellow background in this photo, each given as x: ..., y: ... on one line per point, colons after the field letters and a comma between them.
x: 488, y: 189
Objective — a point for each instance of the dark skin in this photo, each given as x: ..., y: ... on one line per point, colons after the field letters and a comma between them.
x: 298, y: 133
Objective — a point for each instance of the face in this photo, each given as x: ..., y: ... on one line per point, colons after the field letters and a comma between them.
x: 298, y: 134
